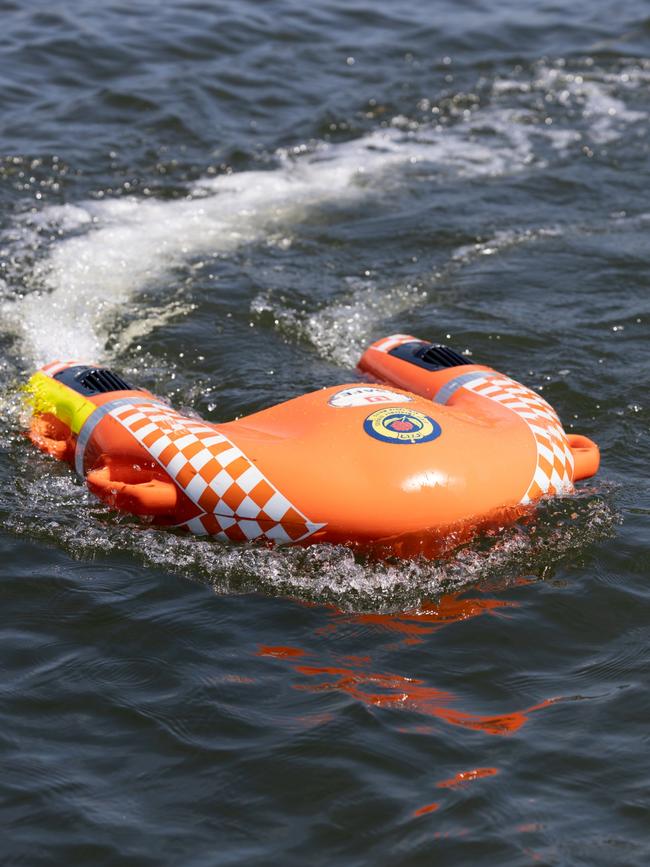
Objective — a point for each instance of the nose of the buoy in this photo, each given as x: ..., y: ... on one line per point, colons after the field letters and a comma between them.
x: 586, y: 456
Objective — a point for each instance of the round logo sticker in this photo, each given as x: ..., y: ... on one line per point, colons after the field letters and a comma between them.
x: 393, y: 425
x: 366, y: 395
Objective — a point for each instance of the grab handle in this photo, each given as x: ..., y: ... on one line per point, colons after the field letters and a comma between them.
x: 151, y: 497
x: 586, y: 456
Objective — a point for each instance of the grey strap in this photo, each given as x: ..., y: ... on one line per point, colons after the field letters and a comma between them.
x: 458, y: 382
x: 95, y: 417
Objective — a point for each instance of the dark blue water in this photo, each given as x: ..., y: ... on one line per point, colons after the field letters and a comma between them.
x: 227, y: 202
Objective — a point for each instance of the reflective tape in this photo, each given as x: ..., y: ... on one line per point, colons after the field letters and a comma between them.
x: 94, y: 419
x: 458, y: 382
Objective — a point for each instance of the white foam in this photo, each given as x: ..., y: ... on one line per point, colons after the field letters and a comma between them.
x: 504, y: 239
x: 609, y: 116
x: 67, y: 516
x: 121, y: 246
x: 340, y: 330
x: 602, y: 116
x: 130, y: 244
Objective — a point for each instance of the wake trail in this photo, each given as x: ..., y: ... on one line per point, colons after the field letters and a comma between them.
x: 106, y: 252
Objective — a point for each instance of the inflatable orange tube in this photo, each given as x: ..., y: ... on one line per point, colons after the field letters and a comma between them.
x: 411, y: 464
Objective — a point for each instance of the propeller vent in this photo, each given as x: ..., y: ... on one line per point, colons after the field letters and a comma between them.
x: 92, y: 380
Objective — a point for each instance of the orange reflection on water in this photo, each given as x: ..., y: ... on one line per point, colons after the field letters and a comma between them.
x: 428, y: 808
x: 504, y: 724
x: 530, y: 827
x: 464, y: 777
x: 385, y: 690
x: 363, y: 685
x: 280, y: 652
x: 354, y: 677
x: 460, y: 779
x: 428, y: 618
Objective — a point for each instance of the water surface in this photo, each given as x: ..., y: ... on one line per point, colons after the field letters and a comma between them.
x: 227, y: 202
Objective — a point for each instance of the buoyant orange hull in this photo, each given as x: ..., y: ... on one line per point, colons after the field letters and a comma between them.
x: 405, y: 467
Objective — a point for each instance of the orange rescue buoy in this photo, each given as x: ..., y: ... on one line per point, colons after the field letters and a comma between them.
x: 411, y: 463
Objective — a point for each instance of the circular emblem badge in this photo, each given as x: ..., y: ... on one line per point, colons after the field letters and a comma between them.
x: 396, y: 425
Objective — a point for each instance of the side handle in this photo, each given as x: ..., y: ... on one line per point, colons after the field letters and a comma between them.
x: 146, y: 496
x: 586, y: 456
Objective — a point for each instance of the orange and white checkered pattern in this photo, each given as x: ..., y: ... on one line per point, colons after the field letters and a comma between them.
x: 554, y: 471
x: 236, y: 501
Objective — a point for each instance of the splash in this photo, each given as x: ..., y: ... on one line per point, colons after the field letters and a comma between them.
x: 80, y: 264
x: 56, y: 508
x: 47, y: 502
x: 340, y: 330
x: 502, y: 240
x: 110, y: 250
x: 586, y: 91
